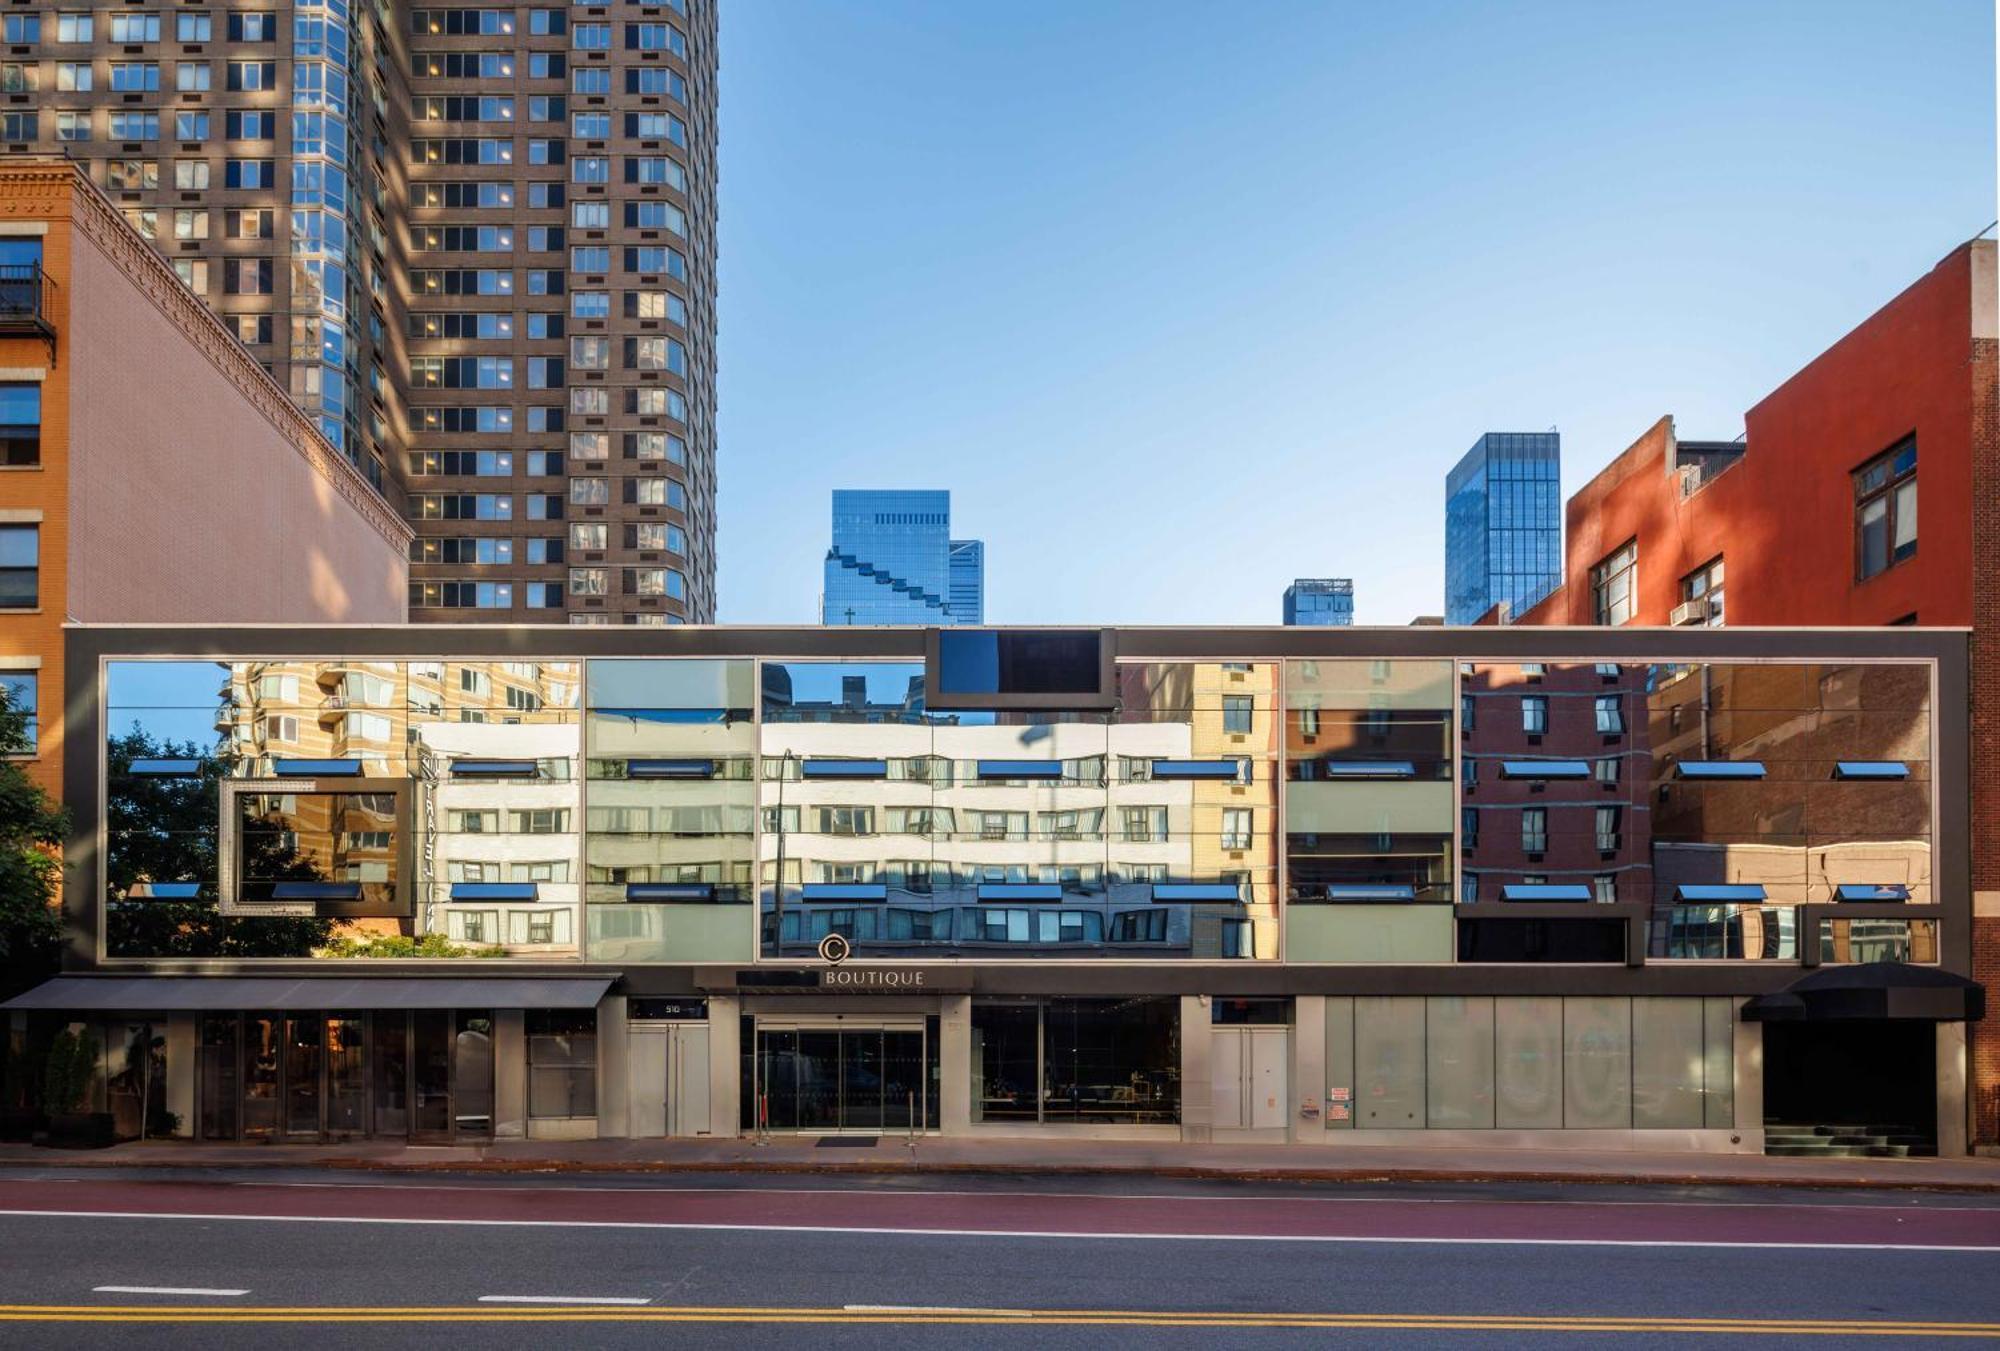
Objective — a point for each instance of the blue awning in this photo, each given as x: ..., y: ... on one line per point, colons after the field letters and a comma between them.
x: 1193, y: 893
x: 1196, y: 769
x: 1720, y: 769
x: 1020, y: 891
x: 670, y: 769
x: 844, y: 769
x: 1544, y: 769
x: 1544, y: 891
x: 1871, y: 769
x: 1878, y: 893
x: 317, y: 769
x: 1367, y: 769
x: 494, y: 769
x: 1020, y: 769
x: 1719, y: 893
x: 163, y: 768
x: 1370, y: 891
x: 846, y: 891
x: 495, y: 891
x: 669, y: 891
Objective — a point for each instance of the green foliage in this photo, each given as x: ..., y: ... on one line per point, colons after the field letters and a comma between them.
x: 31, y: 831
x: 402, y: 945
x: 164, y: 830
x: 69, y: 1072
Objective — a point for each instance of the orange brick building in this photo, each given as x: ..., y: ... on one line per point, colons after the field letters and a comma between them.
x: 1811, y: 518
x: 150, y: 469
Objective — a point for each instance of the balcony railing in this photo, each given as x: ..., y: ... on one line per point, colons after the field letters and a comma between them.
x: 27, y: 303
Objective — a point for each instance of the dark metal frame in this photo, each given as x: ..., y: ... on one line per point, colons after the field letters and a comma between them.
x: 1946, y: 650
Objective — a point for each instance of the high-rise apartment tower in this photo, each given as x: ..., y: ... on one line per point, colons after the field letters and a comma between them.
x: 476, y: 244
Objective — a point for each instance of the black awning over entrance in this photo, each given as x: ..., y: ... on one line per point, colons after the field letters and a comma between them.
x: 176, y: 993
x: 1873, y: 991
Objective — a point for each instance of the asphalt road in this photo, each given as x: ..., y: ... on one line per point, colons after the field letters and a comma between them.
x: 266, y: 1260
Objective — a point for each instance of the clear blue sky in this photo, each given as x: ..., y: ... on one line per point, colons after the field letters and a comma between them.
x: 1183, y: 301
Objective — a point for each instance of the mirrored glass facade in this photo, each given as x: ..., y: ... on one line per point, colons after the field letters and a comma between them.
x: 1337, y: 810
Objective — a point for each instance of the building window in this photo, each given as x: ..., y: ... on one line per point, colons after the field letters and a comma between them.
x: 1885, y: 510
x: 1236, y: 713
x: 1235, y: 827
x: 1534, y: 830
x: 562, y: 1063
x: 1610, y: 715
x: 1605, y: 770
x: 1613, y: 585
x: 21, y: 423
x: 20, y: 566
x: 1701, y: 597
x: 1607, y: 830
x: 1604, y: 888
x: 18, y: 690
x: 1468, y: 822
x: 1535, y: 714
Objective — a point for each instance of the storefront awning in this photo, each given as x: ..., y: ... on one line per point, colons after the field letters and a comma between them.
x: 167, y: 994
x: 1874, y: 991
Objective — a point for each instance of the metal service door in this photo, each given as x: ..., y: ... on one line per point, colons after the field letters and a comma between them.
x: 687, y: 1079
x: 646, y: 1071
x: 1249, y: 1075
x: 1270, y: 1052
x: 1226, y: 1074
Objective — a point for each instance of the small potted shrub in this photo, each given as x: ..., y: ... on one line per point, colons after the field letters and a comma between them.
x: 66, y: 1083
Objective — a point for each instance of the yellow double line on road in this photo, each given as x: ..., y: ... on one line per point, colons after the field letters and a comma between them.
x: 1615, y: 1323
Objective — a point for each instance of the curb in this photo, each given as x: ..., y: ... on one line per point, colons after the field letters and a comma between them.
x: 917, y: 1168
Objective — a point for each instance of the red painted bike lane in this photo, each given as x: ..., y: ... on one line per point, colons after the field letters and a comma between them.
x: 1919, y: 1223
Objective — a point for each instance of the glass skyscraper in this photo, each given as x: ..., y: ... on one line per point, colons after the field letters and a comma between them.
x: 1320, y: 600
x: 1503, y: 525
x: 968, y: 581
x: 893, y: 561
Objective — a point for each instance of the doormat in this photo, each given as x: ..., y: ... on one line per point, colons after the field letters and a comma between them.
x: 847, y: 1141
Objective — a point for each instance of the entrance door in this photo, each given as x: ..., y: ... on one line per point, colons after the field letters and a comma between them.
x: 1857, y: 1073
x: 430, y: 1096
x: 826, y: 1078
x: 346, y: 1076
x: 302, y: 1066
x: 1248, y: 1073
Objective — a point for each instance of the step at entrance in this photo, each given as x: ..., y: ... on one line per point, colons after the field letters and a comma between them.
x: 1822, y: 1140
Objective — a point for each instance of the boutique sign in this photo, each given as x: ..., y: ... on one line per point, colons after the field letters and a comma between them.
x: 871, y: 978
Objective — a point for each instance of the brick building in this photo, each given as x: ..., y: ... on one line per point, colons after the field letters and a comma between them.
x: 153, y: 470
x: 1811, y: 518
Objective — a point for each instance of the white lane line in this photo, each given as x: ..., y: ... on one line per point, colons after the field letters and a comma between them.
x: 162, y: 1290
x: 937, y: 1308
x: 1990, y: 1249
x: 564, y: 1299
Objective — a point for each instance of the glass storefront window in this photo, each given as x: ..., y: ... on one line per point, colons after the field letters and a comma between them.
x: 562, y: 1063
x: 1078, y: 1061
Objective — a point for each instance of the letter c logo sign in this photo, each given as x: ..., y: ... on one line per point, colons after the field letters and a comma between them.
x: 834, y: 948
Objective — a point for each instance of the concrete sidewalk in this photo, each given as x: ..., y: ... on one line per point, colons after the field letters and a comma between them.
x: 892, y: 1154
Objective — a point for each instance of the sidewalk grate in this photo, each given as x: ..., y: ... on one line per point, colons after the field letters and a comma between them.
x: 848, y: 1141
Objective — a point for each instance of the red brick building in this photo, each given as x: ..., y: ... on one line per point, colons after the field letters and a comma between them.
x: 1811, y: 518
